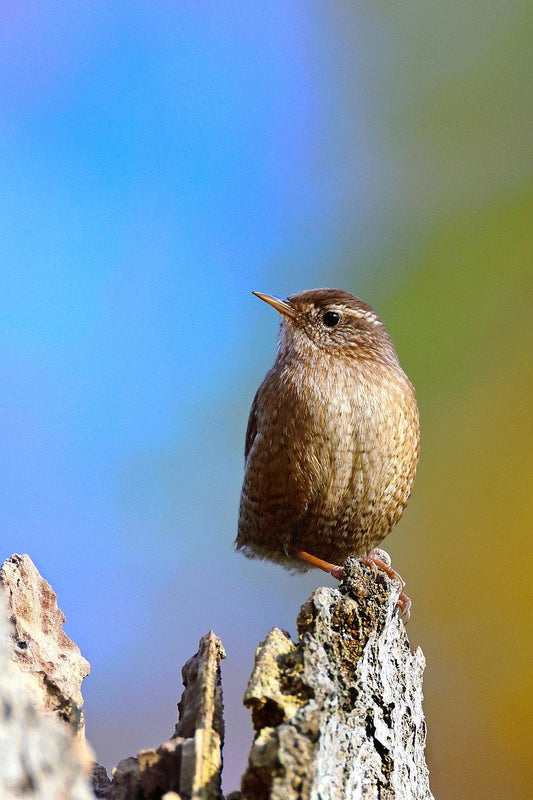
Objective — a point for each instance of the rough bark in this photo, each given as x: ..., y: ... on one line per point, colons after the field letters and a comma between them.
x: 48, y: 658
x: 189, y: 765
x: 338, y: 714
x: 42, y: 752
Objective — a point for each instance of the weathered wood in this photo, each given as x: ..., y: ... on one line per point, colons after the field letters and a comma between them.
x: 189, y: 765
x: 43, y: 755
x: 339, y: 714
x: 50, y: 660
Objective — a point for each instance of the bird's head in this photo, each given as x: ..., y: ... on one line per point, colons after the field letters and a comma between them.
x: 331, y: 320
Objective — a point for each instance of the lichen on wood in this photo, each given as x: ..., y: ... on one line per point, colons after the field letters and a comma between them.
x: 339, y: 713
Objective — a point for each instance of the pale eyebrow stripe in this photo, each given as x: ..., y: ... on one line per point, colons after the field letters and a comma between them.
x: 370, y: 316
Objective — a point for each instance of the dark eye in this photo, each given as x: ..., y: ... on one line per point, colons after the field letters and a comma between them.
x: 331, y: 318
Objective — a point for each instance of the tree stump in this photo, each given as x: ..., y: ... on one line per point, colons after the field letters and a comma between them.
x: 337, y: 715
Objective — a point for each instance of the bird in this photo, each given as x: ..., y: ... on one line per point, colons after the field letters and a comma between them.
x: 332, y: 441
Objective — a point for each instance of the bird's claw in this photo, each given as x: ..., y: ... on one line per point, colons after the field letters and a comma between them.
x: 337, y: 573
x: 374, y: 559
x: 404, y: 607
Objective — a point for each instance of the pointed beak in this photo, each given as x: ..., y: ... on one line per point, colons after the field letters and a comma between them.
x: 283, y: 306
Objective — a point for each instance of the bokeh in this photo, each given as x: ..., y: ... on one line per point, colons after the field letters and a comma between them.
x: 158, y: 162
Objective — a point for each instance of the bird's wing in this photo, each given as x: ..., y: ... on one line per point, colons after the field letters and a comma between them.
x: 251, y: 429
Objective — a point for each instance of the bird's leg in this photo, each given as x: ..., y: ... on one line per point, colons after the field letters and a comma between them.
x: 374, y: 560
x: 337, y: 572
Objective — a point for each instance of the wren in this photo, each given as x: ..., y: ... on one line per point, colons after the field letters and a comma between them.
x: 332, y: 441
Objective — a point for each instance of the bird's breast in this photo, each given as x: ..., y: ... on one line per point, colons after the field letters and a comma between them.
x: 331, y: 433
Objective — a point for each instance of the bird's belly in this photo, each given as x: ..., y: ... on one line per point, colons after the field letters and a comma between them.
x: 331, y: 479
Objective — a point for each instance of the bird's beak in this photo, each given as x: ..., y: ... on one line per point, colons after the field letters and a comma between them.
x: 283, y: 306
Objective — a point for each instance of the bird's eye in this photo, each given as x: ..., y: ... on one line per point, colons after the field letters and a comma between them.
x: 331, y: 318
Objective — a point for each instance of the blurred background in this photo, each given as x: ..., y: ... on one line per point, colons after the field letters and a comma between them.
x: 158, y: 162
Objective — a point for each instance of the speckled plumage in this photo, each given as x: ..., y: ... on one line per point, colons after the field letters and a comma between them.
x: 333, y: 436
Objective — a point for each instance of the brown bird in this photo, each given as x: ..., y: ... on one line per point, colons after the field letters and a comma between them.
x: 332, y: 441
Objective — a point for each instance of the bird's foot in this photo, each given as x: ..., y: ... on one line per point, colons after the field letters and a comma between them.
x: 337, y: 572
x: 374, y: 559
x: 379, y: 559
x: 404, y: 605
